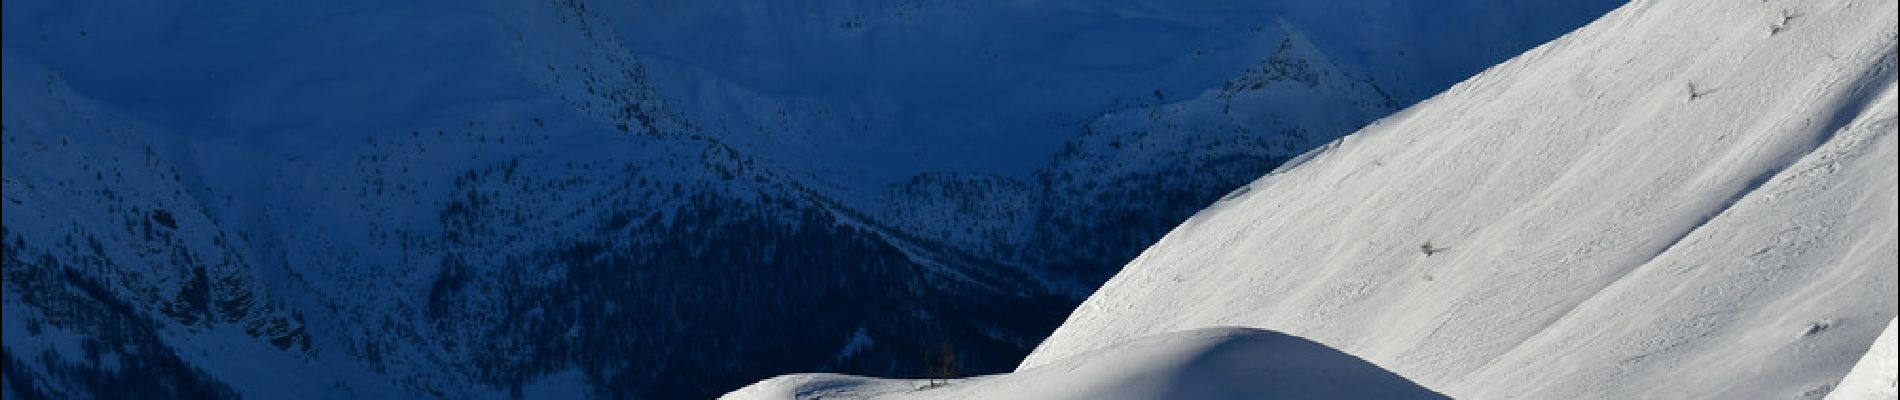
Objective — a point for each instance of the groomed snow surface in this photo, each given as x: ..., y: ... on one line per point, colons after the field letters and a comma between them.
x: 1684, y: 199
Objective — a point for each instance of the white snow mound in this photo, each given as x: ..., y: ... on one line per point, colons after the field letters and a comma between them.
x: 1211, y: 363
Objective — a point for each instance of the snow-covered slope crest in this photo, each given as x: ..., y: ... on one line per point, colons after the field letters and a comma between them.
x: 1210, y: 363
x: 1874, y: 376
x: 1684, y: 199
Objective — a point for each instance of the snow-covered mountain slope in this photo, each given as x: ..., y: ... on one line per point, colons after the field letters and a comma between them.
x: 1874, y: 377
x: 1682, y: 199
x: 1211, y: 363
x: 1644, y: 208
x: 645, y: 199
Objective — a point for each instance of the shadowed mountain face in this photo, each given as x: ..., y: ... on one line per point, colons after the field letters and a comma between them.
x: 648, y: 199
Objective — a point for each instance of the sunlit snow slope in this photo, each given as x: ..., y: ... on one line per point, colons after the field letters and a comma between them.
x: 1874, y: 376
x: 1683, y: 199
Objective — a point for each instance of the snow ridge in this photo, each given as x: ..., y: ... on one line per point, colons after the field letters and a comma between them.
x: 1874, y: 376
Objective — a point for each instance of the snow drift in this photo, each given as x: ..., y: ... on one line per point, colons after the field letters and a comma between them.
x: 1211, y: 363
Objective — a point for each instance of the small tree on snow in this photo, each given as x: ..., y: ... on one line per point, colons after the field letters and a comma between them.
x: 1696, y: 92
x: 943, y: 366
